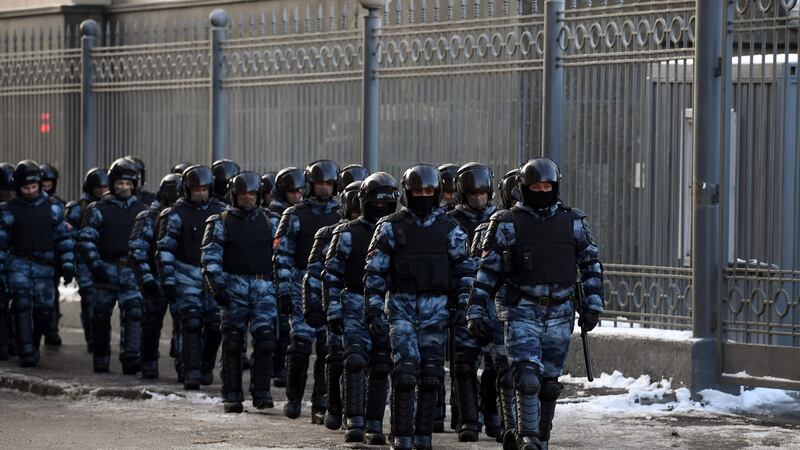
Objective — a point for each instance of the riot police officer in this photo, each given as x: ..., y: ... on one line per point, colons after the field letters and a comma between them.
x: 539, y: 246
x: 474, y: 183
x: 35, y: 242
x: 313, y: 294
x: 449, y: 172
x: 289, y: 186
x: 180, y: 167
x: 103, y: 244
x: 414, y: 255
x: 344, y: 282
x: 224, y: 170
x: 6, y: 194
x: 95, y: 185
x: 142, y: 244
x: 180, y: 236
x: 293, y: 243
x: 143, y: 195
x: 237, y: 268
x: 267, y: 185
x: 49, y: 185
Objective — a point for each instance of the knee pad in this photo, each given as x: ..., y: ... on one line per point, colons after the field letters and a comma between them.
x: 465, y: 364
x: 404, y: 375
x: 335, y: 355
x: 192, y: 324
x: 526, y: 375
x: 232, y: 341
x: 22, y: 303
x: 551, y: 390
x: 431, y: 374
x: 134, y: 313
x: 355, y: 362
x: 299, y: 346
x: 380, y: 363
x: 263, y: 345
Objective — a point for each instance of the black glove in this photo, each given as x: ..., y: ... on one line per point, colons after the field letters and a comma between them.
x: 459, y: 316
x: 285, y: 304
x: 170, y: 292
x: 221, y: 296
x: 589, y: 319
x: 376, y: 323
x: 100, y: 276
x: 336, y: 326
x: 150, y: 288
x: 315, y: 316
x: 479, y: 329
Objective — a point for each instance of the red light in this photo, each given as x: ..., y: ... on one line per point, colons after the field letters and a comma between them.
x: 44, y: 128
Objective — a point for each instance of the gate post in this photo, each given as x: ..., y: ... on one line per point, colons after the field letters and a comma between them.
x: 708, y: 141
x: 371, y: 92
x: 219, y: 20
x: 89, y: 33
x: 553, y: 94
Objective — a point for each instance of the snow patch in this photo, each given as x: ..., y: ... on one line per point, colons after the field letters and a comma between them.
x: 620, y: 328
x: 69, y: 292
x: 195, y: 398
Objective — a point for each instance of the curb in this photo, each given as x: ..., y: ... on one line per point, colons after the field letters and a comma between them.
x: 47, y: 388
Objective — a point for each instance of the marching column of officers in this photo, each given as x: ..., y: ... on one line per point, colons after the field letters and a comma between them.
x: 319, y: 261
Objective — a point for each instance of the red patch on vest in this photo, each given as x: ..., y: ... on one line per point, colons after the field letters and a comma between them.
x: 275, y: 243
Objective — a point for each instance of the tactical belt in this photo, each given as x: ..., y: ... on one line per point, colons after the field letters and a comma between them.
x: 548, y: 301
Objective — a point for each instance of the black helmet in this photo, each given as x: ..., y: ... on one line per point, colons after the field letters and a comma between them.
x: 509, y: 191
x: 322, y: 171
x: 124, y: 169
x: 349, y: 201
x: 224, y: 170
x: 180, y: 167
x: 170, y: 189
x: 27, y: 172
x: 380, y: 187
x: 7, y: 177
x: 449, y: 172
x: 290, y: 179
x: 94, y: 178
x: 140, y: 169
x: 245, y: 182
x: 474, y: 178
x: 353, y: 172
x: 268, y: 182
x: 535, y: 171
x: 197, y: 176
x: 50, y: 173
x: 422, y: 176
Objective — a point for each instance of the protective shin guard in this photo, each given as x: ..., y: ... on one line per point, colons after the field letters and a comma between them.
x: 232, y: 395
x: 551, y: 390
x: 212, y: 336
x: 508, y: 406
x: 133, y: 338
x: 318, y: 394
x: 438, y: 421
x: 431, y: 376
x: 42, y: 322
x: 491, y: 415
x: 467, y: 392
x: 151, y: 332
x: 527, y: 386
x: 192, y: 352
x: 101, y: 341
x: 296, y: 375
x: 377, y: 388
x: 333, y: 378
x: 86, y: 316
x: 279, y: 358
x: 24, y: 332
x: 261, y: 371
x: 355, y: 365
x: 404, y: 382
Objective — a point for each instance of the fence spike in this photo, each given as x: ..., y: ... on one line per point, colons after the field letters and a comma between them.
x: 490, y: 8
x: 241, y: 25
x: 436, y: 10
x: 477, y: 8
x: 356, y: 15
x: 119, y: 33
x: 320, y: 15
x: 386, y: 14
x: 308, y: 18
x: 252, y: 26
x: 410, y: 11
x: 285, y: 21
x: 195, y: 27
x: 463, y: 9
x: 399, y: 12
x: 423, y: 11
x: 520, y: 7
x: 345, y: 14
x: 41, y: 39
x: 535, y: 7
x: 450, y: 11
x: 263, y: 23
x: 274, y: 21
x: 296, y: 19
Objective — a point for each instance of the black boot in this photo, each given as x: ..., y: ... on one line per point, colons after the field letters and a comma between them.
x: 319, y: 402
x: 130, y: 358
x: 86, y: 316
x: 333, y: 378
x: 508, y: 406
x: 438, y: 421
x: 212, y: 336
x: 101, y: 341
x: 551, y: 390
x: 151, y: 334
x: 404, y: 382
x: 192, y: 352
x: 232, y: 395
x: 297, y: 373
x: 27, y: 350
x: 380, y: 364
x: 526, y: 386
x: 467, y: 392
x: 354, y: 380
x: 431, y: 376
x: 260, y: 371
x: 491, y: 416
x: 175, y: 340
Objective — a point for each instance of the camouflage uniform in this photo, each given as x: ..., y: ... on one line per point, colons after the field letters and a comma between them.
x: 277, y: 207
x: 538, y: 318
x: 74, y: 216
x: 416, y: 307
x: 35, y: 241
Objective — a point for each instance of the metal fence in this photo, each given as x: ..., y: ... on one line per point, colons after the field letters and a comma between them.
x: 461, y: 81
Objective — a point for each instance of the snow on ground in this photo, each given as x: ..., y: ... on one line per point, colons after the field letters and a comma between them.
x: 608, y: 328
x: 69, y: 292
x: 645, y: 396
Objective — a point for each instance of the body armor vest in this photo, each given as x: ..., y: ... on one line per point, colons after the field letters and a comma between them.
x: 34, y: 228
x: 193, y: 226
x: 248, y: 245
x: 544, y: 251
x: 310, y: 223
x: 117, y: 226
x: 421, y: 258
x: 361, y: 236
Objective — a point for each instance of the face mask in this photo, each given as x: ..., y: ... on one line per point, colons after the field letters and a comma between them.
x: 374, y: 213
x: 421, y: 205
x: 540, y: 199
x: 197, y: 197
